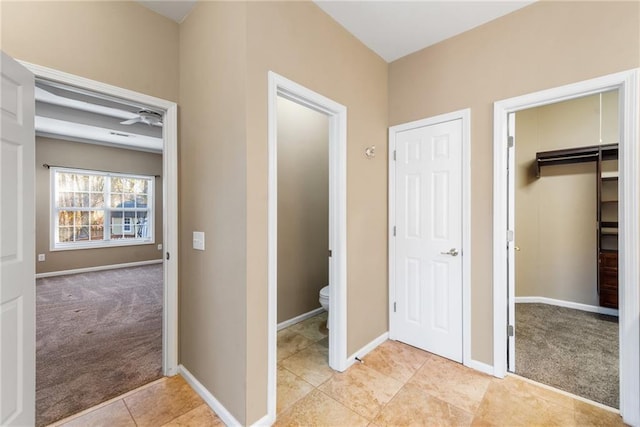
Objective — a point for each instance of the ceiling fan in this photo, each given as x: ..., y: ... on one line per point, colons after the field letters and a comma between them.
x: 148, y: 117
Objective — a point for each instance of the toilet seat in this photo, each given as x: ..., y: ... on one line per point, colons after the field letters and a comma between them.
x: 324, y: 292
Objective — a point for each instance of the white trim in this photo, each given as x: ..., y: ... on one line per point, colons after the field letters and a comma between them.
x: 465, y: 116
x: 337, y: 113
x: 627, y: 82
x: 479, y: 366
x: 209, y: 398
x: 97, y: 268
x: 169, y: 199
x: 300, y: 318
x: 367, y: 348
x: 567, y: 304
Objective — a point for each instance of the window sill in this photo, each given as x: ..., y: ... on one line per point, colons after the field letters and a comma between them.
x: 99, y: 245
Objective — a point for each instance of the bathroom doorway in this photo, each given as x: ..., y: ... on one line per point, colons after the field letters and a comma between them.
x: 307, y: 229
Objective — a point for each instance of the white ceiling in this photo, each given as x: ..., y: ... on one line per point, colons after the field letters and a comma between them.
x: 391, y: 28
x: 394, y: 29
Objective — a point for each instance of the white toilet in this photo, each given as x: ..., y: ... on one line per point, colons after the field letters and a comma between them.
x: 324, y: 300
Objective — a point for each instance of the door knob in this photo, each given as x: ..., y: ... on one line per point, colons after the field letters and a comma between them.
x: 452, y: 252
x: 517, y: 248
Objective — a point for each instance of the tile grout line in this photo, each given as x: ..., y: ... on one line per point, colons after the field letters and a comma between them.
x: 130, y: 414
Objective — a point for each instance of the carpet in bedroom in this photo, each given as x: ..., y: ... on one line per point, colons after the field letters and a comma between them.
x: 98, y: 335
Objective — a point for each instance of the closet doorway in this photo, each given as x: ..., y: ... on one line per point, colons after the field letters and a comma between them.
x: 506, y: 236
x: 565, y: 221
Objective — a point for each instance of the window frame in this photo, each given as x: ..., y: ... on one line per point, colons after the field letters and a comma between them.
x: 106, y: 241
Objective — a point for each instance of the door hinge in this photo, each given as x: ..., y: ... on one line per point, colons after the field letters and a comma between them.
x: 510, y: 330
x: 509, y: 235
x: 511, y: 141
x: 394, y: 307
x: 168, y: 256
x: 394, y: 231
x: 330, y: 253
x: 394, y: 155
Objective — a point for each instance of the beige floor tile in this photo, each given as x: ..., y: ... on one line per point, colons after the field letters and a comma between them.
x: 586, y: 414
x: 528, y: 387
x: 507, y: 403
x: 291, y: 388
x: 395, y: 359
x: 114, y: 414
x: 162, y: 402
x: 452, y: 382
x: 202, y: 416
x: 414, y: 407
x: 318, y: 409
x: 290, y: 342
x: 362, y: 389
x: 314, y: 328
x: 310, y: 364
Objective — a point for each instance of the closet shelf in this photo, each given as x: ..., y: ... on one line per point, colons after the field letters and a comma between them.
x: 609, y: 224
x: 575, y: 155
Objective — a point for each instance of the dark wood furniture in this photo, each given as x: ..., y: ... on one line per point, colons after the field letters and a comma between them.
x: 606, y: 210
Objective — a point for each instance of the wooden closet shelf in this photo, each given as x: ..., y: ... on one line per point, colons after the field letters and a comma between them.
x: 575, y: 155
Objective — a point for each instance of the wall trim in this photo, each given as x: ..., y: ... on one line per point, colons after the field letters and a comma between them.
x: 628, y: 85
x: 169, y: 196
x: 367, y: 348
x: 97, y: 268
x: 567, y: 304
x: 337, y: 114
x: 209, y: 398
x: 479, y: 366
x: 300, y: 318
x: 465, y: 117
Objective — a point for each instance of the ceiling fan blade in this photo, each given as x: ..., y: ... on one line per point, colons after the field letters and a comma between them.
x: 131, y: 121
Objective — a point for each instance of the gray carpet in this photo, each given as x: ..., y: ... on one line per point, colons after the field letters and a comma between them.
x: 569, y: 349
x: 98, y: 335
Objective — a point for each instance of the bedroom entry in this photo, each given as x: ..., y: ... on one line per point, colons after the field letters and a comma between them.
x: 428, y: 247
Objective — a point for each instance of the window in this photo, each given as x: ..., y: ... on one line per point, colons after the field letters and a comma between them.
x: 98, y: 209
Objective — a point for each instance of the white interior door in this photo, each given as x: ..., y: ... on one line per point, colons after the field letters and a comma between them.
x: 428, y: 266
x: 17, y: 263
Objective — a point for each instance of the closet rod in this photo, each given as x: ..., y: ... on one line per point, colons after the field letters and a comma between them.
x: 48, y: 166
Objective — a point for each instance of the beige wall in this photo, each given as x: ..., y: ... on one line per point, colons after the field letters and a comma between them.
x: 303, y: 208
x: 213, y: 289
x: 300, y: 42
x: 541, y: 46
x: 115, y: 42
x: 556, y: 214
x: 88, y: 156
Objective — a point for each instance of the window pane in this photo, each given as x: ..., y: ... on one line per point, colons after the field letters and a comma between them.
x: 128, y: 201
x: 116, y: 200
x: 65, y: 234
x: 65, y: 182
x: 82, y: 233
x: 65, y: 199
x: 97, y: 232
x: 65, y: 218
x: 97, y: 200
x: 116, y: 185
x: 141, y: 201
x: 97, y: 183
x: 81, y: 200
x: 97, y: 218
x: 81, y: 218
x: 82, y: 182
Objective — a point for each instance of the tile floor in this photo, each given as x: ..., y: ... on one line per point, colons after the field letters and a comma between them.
x: 397, y: 385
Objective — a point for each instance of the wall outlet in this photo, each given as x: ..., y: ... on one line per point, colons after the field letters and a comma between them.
x: 198, y: 240
x: 160, y: 247
x: 41, y: 257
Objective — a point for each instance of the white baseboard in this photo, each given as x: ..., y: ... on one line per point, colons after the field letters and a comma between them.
x: 360, y: 354
x: 98, y: 268
x: 480, y: 366
x: 567, y: 304
x: 209, y: 399
x: 300, y: 318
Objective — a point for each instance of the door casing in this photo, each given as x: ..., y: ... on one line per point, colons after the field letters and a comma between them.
x: 628, y: 85
x: 465, y: 117
x: 169, y: 195
x: 337, y: 114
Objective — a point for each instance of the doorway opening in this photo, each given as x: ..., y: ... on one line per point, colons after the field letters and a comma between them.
x: 106, y: 175
x: 507, y: 247
x: 285, y: 94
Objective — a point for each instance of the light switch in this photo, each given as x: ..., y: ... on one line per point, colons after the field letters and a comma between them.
x: 198, y: 240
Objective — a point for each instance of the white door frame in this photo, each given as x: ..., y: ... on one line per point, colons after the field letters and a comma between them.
x: 628, y: 84
x: 169, y: 197
x: 465, y: 252
x: 337, y: 113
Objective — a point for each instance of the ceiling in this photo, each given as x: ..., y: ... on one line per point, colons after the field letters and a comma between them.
x: 391, y: 28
